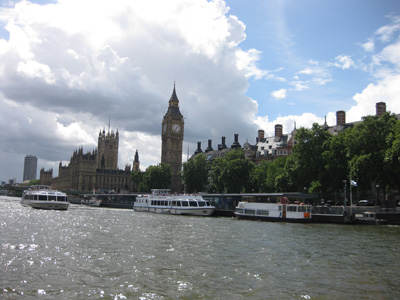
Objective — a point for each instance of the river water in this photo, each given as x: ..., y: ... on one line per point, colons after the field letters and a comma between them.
x: 101, y: 253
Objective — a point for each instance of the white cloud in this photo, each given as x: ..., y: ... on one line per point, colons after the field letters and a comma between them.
x: 386, y: 90
x: 119, y: 59
x: 288, y: 122
x: 385, y: 33
x: 391, y: 54
x: 246, y: 60
x: 344, y: 62
x: 369, y: 46
x: 307, y: 71
x: 279, y: 94
x: 300, y: 85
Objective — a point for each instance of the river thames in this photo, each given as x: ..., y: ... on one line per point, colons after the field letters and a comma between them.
x: 101, y: 253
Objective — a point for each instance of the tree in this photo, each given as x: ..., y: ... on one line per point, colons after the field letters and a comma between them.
x: 137, y: 178
x: 275, y: 170
x: 237, y: 175
x: 231, y: 173
x: 368, y: 145
x: 155, y: 177
x: 337, y: 158
x: 195, y: 174
x: 258, y: 177
x: 217, y: 173
x: 392, y: 158
x: 306, y: 164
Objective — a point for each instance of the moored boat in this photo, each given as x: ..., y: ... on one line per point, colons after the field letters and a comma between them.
x: 91, y: 200
x: 274, y: 212
x: 43, y: 197
x: 161, y: 201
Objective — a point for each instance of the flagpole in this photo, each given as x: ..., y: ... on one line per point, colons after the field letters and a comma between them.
x: 351, y: 193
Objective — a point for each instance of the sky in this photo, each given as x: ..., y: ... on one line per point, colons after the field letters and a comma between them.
x: 69, y: 68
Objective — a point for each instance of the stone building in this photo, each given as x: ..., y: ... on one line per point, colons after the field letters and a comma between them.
x: 270, y: 148
x: 96, y: 170
x: 172, y: 141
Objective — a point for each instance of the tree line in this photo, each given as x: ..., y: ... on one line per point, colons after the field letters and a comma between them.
x: 321, y: 163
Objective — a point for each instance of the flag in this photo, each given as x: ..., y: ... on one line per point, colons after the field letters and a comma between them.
x: 353, y: 183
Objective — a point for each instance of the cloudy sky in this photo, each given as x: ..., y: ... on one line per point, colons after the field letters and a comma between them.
x: 67, y: 67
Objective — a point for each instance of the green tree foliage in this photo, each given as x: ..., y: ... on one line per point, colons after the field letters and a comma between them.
x: 155, y: 177
x: 258, y: 177
x: 306, y: 164
x: 231, y: 173
x: 217, y: 175
x: 392, y: 158
x: 336, y: 158
x: 276, y: 169
x: 195, y: 174
x: 368, y: 144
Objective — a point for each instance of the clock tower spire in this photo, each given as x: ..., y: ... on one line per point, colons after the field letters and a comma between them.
x: 172, y: 140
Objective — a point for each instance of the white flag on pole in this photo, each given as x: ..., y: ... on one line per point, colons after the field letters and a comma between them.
x: 353, y: 183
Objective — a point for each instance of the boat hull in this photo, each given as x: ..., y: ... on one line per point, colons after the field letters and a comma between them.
x: 48, y: 205
x: 274, y: 212
x: 199, y: 211
x: 272, y: 219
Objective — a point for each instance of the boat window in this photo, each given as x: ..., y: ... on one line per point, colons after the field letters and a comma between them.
x: 291, y: 208
x: 208, y: 203
x: 52, y: 198
x: 43, y: 197
x: 239, y: 210
x: 185, y: 203
x: 303, y: 208
x: 263, y: 212
x: 202, y: 203
x: 178, y: 203
x: 250, y: 212
x: 193, y: 203
x: 173, y: 203
x: 61, y: 198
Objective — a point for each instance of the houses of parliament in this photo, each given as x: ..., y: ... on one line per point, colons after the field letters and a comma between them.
x: 98, y: 170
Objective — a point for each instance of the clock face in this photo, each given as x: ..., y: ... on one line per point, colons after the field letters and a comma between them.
x: 176, y: 128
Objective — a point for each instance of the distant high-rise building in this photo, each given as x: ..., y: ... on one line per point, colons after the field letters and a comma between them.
x: 30, y: 167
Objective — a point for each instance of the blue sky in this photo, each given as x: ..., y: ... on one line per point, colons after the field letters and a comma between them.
x: 67, y: 67
x: 290, y: 34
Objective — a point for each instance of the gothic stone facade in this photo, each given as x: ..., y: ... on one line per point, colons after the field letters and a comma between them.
x: 94, y: 170
x: 172, y: 141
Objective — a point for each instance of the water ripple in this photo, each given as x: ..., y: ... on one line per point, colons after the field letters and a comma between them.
x: 92, y: 253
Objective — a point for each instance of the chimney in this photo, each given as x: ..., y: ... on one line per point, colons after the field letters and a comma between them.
x: 236, y: 144
x: 340, y: 118
x: 380, y: 109
x: 198, y: 150
x: 209, y: 148
x: 278, y: 130
x: 222, y: 145
x: 260, y: 135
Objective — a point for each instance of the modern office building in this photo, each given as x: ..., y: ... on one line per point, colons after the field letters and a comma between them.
x: 30, y: 167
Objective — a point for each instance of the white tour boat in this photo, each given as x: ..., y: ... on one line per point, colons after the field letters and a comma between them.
x: 161, y: 201
x: 43, y: 197
x: 276, y: 212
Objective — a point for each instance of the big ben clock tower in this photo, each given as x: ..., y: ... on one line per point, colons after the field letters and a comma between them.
x: 172, y: 141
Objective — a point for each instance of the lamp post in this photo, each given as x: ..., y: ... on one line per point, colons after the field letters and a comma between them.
x: 377, y: 195
x: 345, y: 187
